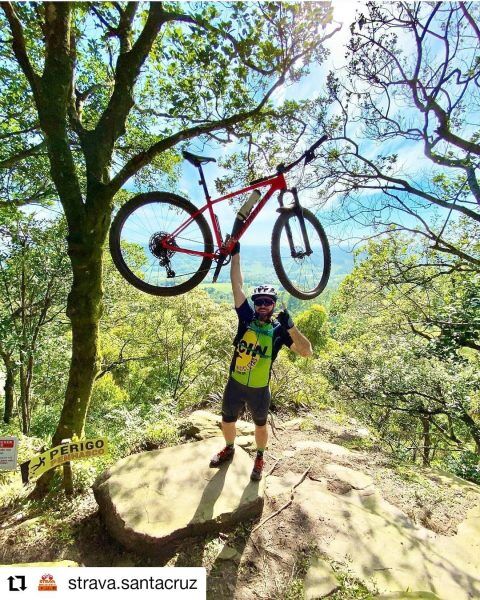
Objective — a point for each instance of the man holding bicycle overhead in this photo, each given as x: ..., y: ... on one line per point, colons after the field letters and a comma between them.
x: 257, y: 343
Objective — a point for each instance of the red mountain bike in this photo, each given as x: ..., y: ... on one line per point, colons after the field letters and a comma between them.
x: 162, y: 244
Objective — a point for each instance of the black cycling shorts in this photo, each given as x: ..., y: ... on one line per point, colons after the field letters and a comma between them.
x: 236, y: 395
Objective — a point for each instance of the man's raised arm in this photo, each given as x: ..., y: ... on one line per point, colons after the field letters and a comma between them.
x: 236, y: 277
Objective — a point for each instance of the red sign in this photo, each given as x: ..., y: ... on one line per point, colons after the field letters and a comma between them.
x: 8, y: 453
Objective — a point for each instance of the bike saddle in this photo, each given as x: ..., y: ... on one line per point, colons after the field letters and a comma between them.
x: 197, y: 160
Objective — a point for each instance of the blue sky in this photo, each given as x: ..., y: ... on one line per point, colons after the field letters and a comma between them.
x: 260, y: 230
x: 412, y: 158
x: 308, y: 87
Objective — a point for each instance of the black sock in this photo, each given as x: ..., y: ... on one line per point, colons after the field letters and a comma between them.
x: 260, y: 453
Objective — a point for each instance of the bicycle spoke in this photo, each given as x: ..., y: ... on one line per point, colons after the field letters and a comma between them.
x: 140, y: 243
x: 303, y: 271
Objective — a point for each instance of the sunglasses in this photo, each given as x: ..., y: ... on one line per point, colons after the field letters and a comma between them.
x: 263, y: 302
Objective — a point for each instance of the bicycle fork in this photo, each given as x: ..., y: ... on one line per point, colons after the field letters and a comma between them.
x: 297, y: 209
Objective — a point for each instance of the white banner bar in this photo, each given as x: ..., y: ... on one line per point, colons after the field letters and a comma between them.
x: 169, y: 583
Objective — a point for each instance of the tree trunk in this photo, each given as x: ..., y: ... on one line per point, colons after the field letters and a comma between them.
x: 427, y: 441
x: 24, y: 400
x: 474, y: 429
x: 9, y: 387
x: 26, y: 375
x: 84, y: 309
x: 24, y: 392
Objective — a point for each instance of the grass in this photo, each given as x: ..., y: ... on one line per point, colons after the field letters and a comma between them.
x: 350, y: 587
x: 308, y: 424
x: 340, y: 418
x: 359, y: 443
x: 411, y: 473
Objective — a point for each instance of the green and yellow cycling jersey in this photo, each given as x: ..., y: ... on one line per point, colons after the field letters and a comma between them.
x: 256, y: 347
x: 252, y: 360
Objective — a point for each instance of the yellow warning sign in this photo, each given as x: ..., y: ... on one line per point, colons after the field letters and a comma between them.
x: 61, y: 454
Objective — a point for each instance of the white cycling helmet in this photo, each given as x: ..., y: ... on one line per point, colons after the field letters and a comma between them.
x: 265, y: 290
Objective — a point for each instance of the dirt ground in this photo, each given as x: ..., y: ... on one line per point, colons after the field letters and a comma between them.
x: 269, y: 563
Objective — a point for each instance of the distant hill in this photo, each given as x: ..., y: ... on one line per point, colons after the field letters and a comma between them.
x: 257, y: 264
x: 257, y: 268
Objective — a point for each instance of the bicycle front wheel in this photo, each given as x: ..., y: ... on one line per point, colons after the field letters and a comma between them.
x: 136, y: 238
x: 302, y: 273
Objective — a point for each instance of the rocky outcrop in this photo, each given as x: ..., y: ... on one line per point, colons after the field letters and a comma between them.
x: 150, y: 500
x: 355, y: 479
x: 333, y: 449
x: 203, y: 424
x: 381, y: 544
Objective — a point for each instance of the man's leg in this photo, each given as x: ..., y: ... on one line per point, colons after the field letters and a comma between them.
x: 231, y: 405
x: 261, y: 436
x: 259, y: 404
x: 261, y: 439
x: 229, y: 431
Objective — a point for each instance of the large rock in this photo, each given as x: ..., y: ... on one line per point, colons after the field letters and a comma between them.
x: 333, y: 449
x: 202, y: 424
x: 385, y: 547
x: 150, y: 500
x: 276, y: 486
x: 356, y: 479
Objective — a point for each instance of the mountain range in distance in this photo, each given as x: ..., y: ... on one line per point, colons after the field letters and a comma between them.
x: 257, y: 266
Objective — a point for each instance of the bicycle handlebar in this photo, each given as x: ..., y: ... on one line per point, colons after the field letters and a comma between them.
x: 318, y: 143
x: 308, y: 155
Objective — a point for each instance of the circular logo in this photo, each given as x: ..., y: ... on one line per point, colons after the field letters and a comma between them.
x: 247, y: 358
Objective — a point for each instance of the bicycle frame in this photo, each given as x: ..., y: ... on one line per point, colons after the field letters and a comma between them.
x: 275, y: 183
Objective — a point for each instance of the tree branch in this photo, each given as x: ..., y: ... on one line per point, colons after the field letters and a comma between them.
x: 112, y: 122
x: 13, y: 160
x: 470, y: 19
x: 19, y: 47
x: 145, y: 157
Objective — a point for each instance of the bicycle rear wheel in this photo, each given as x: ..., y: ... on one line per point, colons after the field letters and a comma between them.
x: 302, y: 274
x: 135, y: 244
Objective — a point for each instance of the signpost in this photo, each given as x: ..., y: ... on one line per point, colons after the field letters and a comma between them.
x: 62, y: 454
x: 8, y: 453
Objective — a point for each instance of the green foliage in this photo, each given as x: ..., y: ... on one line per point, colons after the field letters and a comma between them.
x: 351, y: 588
x: 313, y: 324
x: 297, y: 385
x: 465, y: 464
x: 107, y: 395
x: 405, y: 362
x: 45, y: 419
x: 34, y: 276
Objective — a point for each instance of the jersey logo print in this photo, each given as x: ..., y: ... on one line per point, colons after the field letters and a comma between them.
x: 248, y: 352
